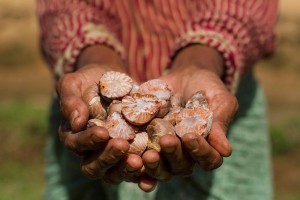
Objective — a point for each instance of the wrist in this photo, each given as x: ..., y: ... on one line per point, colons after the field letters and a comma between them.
x: 194, y: 65
x: 100, y: 55
x: 199, y: 57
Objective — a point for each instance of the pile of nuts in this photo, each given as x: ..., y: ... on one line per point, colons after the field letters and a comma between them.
x: 143, y: 113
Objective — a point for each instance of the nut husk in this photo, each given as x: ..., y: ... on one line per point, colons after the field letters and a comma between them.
x: 176, y: 100
x: 92, y: 98
x: 197, y: 121
x: 156, y: 129
x: 96, y: 122
x: 197, y: 100
x: 119, y: 128
x: 139, y: 144
x: 115, y: 106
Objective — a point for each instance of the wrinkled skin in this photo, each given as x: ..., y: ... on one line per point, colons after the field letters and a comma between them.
x: 101, y: 157
x: 195, y: 68
x: 182, y: 154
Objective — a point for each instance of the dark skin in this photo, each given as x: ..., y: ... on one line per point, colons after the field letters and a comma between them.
x: 195, y: 68
x: 101, y: 157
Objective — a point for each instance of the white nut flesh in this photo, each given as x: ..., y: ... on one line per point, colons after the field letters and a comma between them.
x: 119, y: 128
x: 197, y: 100
x: 139, y: 109
x: 172, y: 115
x: 160, y: 89
x: 115, y: 85
x: 197, y: 121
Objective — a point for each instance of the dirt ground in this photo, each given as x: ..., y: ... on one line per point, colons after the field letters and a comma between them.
x: 280, y: 77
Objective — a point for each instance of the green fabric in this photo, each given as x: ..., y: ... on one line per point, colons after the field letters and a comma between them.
x: 246, y: 175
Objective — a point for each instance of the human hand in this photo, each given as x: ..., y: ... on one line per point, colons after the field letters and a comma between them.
x: 196, y: 68
x: 101, y: 157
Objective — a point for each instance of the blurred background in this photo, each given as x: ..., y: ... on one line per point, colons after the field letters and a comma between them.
x: 26, y: 86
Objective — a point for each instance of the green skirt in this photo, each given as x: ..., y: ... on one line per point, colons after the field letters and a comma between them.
x: 245, y: 175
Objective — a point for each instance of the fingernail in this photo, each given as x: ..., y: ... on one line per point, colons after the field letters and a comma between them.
x: 73, y: 116
x: 227, y: 148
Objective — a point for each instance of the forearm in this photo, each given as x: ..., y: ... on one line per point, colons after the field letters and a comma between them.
x: 101, y: 55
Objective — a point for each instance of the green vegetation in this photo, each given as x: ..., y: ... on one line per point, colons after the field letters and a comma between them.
x: 285, y: 137
x: 23, y: 132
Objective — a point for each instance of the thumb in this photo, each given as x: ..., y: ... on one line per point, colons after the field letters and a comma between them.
x: 72, y: 106
x: 224, y: 108
x: 218, y: 140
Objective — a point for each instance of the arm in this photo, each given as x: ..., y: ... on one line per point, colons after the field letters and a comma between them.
x: 80, y: 46
x: 219, y: 41
x: 67, y: 27
x: 242, y: 32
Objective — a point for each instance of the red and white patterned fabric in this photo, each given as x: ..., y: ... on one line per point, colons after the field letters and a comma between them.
x: 147, y: 34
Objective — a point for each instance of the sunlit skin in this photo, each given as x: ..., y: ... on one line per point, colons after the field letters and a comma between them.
x: 194, y: 68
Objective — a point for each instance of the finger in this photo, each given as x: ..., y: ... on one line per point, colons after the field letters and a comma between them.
x: 218, y: 139
x: 147, y: 184
x: 127, y: 170
x: 90, y: 139
x: 96, y: 165
x: 72, y: 106
x: 179, y: 161
x: 224, y: 107
x: 206, y: 156
x: 154, y: 166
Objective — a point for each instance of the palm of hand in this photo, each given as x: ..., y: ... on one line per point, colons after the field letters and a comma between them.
x: 181, y: 155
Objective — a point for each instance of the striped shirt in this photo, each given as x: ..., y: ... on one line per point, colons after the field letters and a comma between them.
x: 148, y: 33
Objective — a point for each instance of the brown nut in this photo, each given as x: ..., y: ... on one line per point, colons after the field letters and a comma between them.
x: 156, y: 129
x: 115, y: 85
x: 197, y: 121
x: 96, y: 122
x: 115, y: 125
x: 160, y: 89
x: 139, y: 144
x: 93, y: 100
x: 197, y: 100
x: 119, y: 128
x: 164, y: 109
x: 115, y: 106
x: 139, y: 109
x: 176, y: 100
x: 172, y: 115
